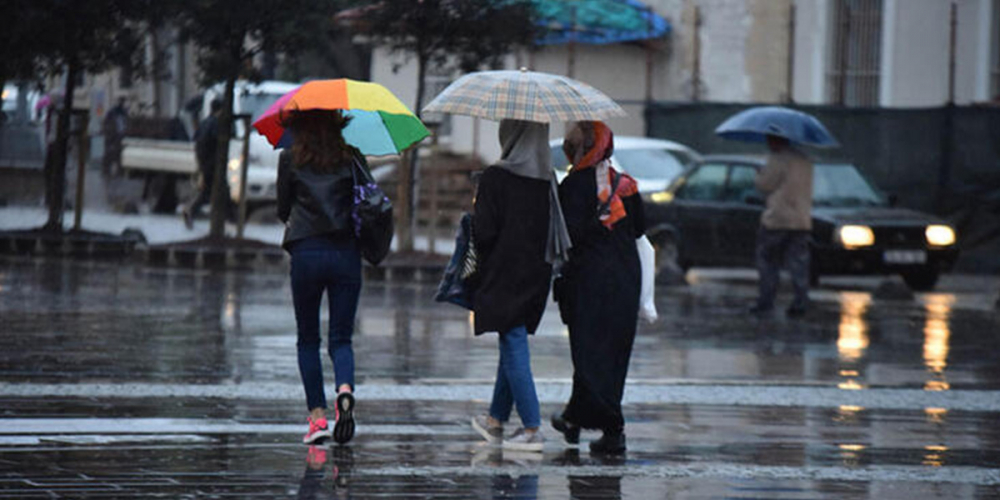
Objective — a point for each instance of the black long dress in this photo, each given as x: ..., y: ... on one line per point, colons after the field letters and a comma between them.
x: 598, y: 299
x: 510, y: 229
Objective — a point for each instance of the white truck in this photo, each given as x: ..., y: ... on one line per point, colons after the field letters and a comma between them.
x: 172, y: 157
x: 262, y: 168
x: 176, y: 159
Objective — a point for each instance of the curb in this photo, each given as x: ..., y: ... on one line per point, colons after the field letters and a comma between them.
x: 129, y: 249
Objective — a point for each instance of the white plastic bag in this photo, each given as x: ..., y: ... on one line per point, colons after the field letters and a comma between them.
x: 647, y: 260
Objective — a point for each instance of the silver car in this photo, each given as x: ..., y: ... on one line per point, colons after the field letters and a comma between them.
x: 654, y: 163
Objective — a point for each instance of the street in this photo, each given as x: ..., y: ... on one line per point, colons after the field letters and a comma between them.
x: 124, y: 381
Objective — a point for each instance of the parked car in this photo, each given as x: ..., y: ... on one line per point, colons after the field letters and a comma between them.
x: 709, y: 217
x: 652, y: 162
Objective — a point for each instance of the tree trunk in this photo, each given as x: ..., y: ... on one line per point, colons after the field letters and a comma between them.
x: 220, y: 191
x: 55, y: 158
x: 410, y: 178
x: 157, y: 61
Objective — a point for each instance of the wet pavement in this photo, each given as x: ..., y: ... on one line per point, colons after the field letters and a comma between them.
x: 125, y: 381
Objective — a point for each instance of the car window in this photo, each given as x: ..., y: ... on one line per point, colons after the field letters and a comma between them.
x: 705, y: 183
x: 649, y: 163
x: 842, y: 185
x: 558, y: 159
x: 741, y: 184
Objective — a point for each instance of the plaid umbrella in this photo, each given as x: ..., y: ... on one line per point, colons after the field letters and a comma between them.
x: 524, y: 95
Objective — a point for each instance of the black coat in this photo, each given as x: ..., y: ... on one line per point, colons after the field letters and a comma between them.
x: 314, y: 204
x: 599, y: 300
x: 510, y: 230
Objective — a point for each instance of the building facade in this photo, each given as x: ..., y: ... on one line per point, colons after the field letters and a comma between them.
x: 866, y: 53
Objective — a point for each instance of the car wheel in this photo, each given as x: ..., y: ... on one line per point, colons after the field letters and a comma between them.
x: 668, y: 269
x: 921, y: 280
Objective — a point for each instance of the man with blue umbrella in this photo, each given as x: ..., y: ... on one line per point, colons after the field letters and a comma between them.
x: 787, y: 182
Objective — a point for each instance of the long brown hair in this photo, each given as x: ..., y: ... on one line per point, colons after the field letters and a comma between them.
x: 318, y: 140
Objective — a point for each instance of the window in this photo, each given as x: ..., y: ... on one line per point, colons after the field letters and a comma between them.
x: 842, y: 185
x: 995, y: 64
x: 853, y: 71
x: 704, y: 184
x: 435, y: 83
x: 649, y: 163
x: 741, y: 184
x: 125, y: 76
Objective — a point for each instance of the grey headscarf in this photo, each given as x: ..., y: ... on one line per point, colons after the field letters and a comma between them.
x: 526, y: 153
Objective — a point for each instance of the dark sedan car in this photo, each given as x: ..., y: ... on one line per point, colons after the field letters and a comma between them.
x: 709, y: 217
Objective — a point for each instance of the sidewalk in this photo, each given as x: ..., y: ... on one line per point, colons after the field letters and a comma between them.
x: 165, y: 229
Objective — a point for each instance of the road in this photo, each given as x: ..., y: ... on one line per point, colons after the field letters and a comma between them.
x: 128, y: 381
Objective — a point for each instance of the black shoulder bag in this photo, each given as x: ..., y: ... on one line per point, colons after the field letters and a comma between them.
x: 372, y: 215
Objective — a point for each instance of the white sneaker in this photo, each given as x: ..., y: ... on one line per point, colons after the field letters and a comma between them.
x: 491, y: 433
x: 524, y: 441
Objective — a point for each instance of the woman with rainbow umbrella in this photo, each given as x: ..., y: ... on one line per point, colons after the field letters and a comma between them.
x: 327, y: 126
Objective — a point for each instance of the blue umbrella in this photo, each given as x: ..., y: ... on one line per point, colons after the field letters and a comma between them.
x: 755, y: 124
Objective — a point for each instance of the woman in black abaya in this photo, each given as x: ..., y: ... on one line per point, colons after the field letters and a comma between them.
x: 598, y: 293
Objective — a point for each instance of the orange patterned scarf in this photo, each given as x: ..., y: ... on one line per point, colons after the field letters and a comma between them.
x: 599, y: 137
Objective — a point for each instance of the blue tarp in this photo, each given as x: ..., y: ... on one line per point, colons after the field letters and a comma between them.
x: 598, y: 21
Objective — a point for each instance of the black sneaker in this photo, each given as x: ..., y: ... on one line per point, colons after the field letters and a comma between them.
x: 796, y: 311
x: 569, y: 431
x: 343, y: 430
x: 609, y: 444
x: 760, y: 311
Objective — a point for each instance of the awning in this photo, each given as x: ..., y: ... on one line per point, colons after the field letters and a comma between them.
x: 598, y: 21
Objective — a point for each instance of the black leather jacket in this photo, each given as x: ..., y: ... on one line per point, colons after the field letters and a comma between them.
x: 314, y: 204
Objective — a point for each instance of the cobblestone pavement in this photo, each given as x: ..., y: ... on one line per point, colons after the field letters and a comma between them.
x: 127, y: 381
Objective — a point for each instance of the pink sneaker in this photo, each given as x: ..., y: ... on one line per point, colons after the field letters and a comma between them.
x: 316, y: 458
x: 319, y: 431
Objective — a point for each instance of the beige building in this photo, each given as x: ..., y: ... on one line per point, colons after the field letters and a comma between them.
x: 162, y: 95
x: 877, y: 53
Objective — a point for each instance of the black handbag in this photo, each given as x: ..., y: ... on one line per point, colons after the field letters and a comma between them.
x: 371, y: 214
x: 458, y: 284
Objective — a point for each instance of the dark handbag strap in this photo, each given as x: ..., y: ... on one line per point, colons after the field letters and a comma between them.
x: 358, y: 165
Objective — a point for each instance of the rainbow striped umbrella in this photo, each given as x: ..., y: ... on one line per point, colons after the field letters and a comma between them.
x: 380, y: 124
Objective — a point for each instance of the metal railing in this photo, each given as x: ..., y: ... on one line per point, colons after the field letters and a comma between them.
x: 854, y: 67
x: 995, y: 56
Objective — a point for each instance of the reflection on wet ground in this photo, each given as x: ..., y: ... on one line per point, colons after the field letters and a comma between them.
x: 204, y: 327
x: 719, y: 407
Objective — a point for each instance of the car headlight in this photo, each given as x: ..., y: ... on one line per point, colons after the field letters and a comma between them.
x: 662, y: 197
x: 234, y: 164
x: 856, y: 236
x: 940, y: 235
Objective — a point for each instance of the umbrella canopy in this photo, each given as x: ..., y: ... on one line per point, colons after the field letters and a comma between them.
x: 755, y: 124
x: 597, y: 21
x: 524, y: 95
x: 380, y: 124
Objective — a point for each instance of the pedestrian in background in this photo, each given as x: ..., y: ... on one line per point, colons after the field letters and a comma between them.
x: 785, y: 225
x: 598, y: 293
x: 206, y: 140
x: 516, y: 226
x: 315, y: 201
x: 114, y: 127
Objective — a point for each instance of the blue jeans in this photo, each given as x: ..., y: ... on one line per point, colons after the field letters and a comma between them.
x: 514, y: 384
x: 775, y: 247
x: 318, y: 265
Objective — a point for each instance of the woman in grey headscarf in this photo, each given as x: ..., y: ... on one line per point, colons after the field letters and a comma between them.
x: 519, y: 234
